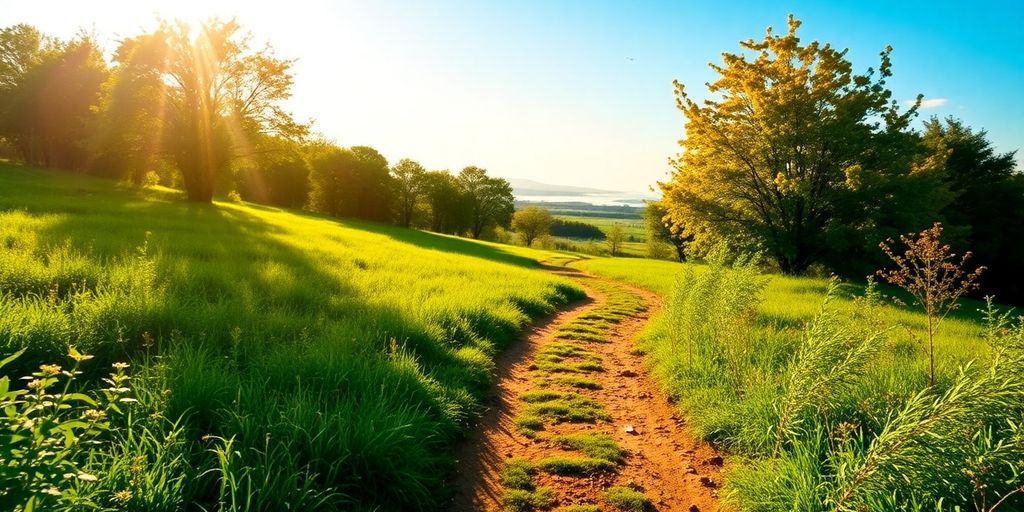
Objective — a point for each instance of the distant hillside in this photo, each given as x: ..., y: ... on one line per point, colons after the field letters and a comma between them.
x: 523, y: 187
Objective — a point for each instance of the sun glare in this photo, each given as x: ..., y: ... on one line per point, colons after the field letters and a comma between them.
x: 191, y: 12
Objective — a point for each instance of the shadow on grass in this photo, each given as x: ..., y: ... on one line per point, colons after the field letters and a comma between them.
x: 240, y: 291
x: 446, y: 243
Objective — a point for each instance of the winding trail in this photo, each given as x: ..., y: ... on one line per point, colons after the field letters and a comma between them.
x: 662, y: 460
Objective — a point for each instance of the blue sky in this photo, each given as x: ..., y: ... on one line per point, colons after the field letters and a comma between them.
x: 573, y: 92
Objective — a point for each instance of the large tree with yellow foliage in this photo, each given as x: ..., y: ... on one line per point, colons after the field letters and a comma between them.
x: 796, y: 155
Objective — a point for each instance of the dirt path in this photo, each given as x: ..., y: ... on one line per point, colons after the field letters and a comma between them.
x: 575, y: 382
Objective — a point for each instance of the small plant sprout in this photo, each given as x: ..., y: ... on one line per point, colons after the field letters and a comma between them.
x: 930, y: 272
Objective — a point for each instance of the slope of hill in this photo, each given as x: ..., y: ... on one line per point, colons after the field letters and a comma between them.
x: 536, y: 188
x: 318, y: 363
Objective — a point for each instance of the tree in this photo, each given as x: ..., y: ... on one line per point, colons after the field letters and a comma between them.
x: 796, y: 155
x: 576, y: 229
x: 126, y: 142
x: 407, y: 176
x: 49, y: 91
x: 614, y: 238
x: 532, y: 223
x: 372, y: 190
x: 988, y: 203
x: 350, y: 182
x: 449, y: 208
x: 220, y: 95
x: 661, y: 231
x: 276, y: 174
x: 491, y: 202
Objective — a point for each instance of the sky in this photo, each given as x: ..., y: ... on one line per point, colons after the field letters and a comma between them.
x: 571, y: 92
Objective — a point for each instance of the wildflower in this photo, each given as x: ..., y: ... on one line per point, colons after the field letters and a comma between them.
x: 120, y: 365
x: 34, y: 383
x: 138, y: 465
x: 49, y: 369
x: 123, y: 496
x: 93, y: 414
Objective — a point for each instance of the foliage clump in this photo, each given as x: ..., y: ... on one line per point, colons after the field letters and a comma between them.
x: 794, y: 190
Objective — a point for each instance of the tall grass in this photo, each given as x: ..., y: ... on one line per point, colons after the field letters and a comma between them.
x: 832, y: 410
x: 289, y: 361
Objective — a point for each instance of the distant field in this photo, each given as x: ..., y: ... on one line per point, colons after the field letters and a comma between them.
x: 337, y: 360
x: 628, y: 218
x: 583, y: 208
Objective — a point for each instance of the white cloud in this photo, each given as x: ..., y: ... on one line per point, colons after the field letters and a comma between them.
x: 929, y: 102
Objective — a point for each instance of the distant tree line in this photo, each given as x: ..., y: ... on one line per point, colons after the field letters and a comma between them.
x: 576, y: 229
x: 802, y: 159
x: 200, y: 108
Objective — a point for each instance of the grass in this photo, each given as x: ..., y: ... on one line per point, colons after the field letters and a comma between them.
x: 574, y: 466
x: 582, y: 508
x: 628, y: 499
x: 553, y: 359
x: 518, y: 474
x: 576, y: 382
x: 566, y: 407
x: 518, y: 500
x: 568, y: 333
x: 823, y: 394
x: 326, y: 363
x: 593, y: 444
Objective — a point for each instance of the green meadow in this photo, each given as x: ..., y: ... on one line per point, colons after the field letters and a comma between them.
x: 283, y: 359
x: 820, y: 392
x: 280, y: 358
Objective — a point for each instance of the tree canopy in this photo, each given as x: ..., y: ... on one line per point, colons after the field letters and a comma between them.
x: 352, y: 182
x: 48, y: 90
x: 407, y: 176
x: 796, y: 155
x: 532, y: 223
x: 662, y: 232
x: 490, y: 200
x: 988, y: 204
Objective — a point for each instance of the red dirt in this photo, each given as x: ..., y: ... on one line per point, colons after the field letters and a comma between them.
x: 663, y: 459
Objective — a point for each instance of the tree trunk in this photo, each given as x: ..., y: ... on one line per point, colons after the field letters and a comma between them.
x: 680, y: 253
x: 198, y: 183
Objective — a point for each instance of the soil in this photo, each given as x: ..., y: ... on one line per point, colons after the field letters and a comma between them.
x: 663, y: 460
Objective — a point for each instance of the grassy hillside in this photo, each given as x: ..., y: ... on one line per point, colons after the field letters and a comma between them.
x: 313, y: 362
